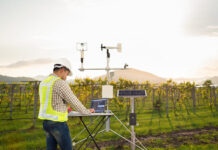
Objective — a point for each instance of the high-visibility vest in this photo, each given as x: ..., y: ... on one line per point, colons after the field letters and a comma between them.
x: 46, y: 111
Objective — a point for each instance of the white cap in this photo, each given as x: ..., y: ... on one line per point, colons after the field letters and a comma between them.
x: 63, y: 62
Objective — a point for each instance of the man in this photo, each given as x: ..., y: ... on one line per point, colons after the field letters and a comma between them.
x: 55, y: 95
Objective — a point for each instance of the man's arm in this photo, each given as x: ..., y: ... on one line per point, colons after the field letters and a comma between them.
x: 71, y: 99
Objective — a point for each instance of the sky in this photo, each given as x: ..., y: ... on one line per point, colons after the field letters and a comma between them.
x: 169, y: 38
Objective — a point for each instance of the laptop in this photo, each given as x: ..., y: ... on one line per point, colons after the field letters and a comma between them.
x: 99, y: 105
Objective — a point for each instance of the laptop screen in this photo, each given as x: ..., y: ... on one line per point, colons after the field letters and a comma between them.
x: 99, y: 105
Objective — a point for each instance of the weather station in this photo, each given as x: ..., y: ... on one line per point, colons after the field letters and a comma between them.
x: 107, y: 90
x: 107, y: 93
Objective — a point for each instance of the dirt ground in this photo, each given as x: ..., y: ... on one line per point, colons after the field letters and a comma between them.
x: 174, y: 139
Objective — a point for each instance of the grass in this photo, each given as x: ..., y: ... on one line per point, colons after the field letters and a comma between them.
x: 17, y: 134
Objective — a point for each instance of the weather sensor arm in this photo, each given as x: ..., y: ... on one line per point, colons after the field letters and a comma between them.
x: 83, y: 47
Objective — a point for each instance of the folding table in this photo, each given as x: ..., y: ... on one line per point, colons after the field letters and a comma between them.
x: 100, y: 124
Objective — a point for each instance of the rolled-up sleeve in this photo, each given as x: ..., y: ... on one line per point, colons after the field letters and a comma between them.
x: 68, y: 95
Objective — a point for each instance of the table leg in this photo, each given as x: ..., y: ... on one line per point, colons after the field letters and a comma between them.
x: 98, y: 129
x: 90, y: 134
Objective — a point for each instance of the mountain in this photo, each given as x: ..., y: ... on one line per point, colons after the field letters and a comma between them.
x: 134, y: 75
x: 40, y: 77
x: 213, y: 79
x: 197, y: 80
x: 128, y: 74
x: 8, y: 79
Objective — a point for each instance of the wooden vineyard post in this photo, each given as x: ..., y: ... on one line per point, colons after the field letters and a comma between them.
x: 35, y: 103
x: 167, y: 101
x: 11, y: 104
x: 194, y: 99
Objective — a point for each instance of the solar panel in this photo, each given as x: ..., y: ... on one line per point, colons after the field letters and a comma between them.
x: 131, y: 93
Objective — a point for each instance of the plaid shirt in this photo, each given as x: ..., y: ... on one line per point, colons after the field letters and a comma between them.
x: 63, y: 95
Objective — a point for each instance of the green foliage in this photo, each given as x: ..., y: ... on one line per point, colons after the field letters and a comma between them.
x: 180, y: 96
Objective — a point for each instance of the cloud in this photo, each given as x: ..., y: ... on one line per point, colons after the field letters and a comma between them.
x: 209, y: 69
x: 212, y: 27
x: 202, y: 19
x: 212, y: 30
x: 29, y: 68
x: 19, y: 64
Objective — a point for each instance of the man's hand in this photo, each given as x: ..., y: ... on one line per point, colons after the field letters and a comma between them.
x: 92, y: 110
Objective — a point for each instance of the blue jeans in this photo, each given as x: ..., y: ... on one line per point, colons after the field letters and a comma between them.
x: 57, y: 133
